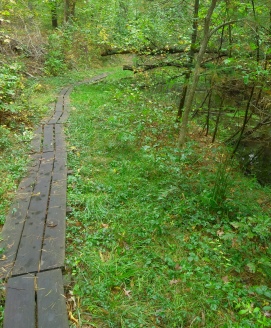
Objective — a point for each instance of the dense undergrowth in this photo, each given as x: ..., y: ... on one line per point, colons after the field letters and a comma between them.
x: 159, y: 237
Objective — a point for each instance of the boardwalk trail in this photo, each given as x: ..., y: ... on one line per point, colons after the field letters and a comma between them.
x: 33, y: 236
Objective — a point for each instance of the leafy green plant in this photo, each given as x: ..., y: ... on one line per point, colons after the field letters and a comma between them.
x: 11, y: 85
x: 4, y: 137
x: 55, y: 57
x: 222, y: 183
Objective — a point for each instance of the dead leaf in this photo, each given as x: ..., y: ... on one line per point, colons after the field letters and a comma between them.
x: 174, y: 281
x: 51, y: 224
x: 101, y: 256
x: 104, y: 311
x: 225, y: 279
x: 220, y: 233
x: 72, y: 318
x: 234, y: 243
x: 127, y: 292
x: 116, y: 289
x: 105, y: 226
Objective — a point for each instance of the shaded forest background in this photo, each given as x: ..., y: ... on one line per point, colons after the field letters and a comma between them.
x: 231, y: 97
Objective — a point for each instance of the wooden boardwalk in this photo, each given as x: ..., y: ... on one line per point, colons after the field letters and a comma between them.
x: 33, y: 236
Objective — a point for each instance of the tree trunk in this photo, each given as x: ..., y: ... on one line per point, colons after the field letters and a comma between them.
x: 69, y: 10
x: 257, y: 36
x: 195, y: 76
x: 229, y: 28
x: 209, y: 111
x: 244, y: 122
x: 217, y: 121
x: 190, y: 58
x: 54, y: 14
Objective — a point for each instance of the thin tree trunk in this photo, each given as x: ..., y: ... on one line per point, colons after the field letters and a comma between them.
x: 266, y: 121
x: 229, y: 29
x: 208, y: 113
x: 196, y: 74
x: 54, y: 15
x: 69, y: 10
x: 217, y: 121
x: 190, y: 58
x: 202, y: 104
x: 244, y: 122
x: 257, y: 33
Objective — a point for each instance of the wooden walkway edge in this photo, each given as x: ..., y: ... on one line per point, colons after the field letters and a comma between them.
x: 33, y: 236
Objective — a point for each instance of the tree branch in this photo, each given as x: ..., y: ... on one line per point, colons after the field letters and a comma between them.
x: 222, y: 25
x: 143, y: 68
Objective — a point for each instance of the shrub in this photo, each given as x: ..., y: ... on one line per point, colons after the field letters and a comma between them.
x: 4, y: 137
x: 11, y: 84
x: 55, y: 58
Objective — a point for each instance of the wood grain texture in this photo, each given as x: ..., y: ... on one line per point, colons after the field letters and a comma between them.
x: 51, y: 302
x: 53, y: 250
x: 48, y: 138
x: 28, y: 256
x: 36, y: 141
x: 15, y: 221
x: 20, y: 308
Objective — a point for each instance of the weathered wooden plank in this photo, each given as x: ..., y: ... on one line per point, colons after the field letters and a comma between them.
x: 27, y: 183
x: 15, y: 220
x: 59, y: 129
x: 36, y: 141
x: 60, y: 143
x: 64, y: 91
x: 67, y: 109
x: 48, y: 138
x: 60, y: 161
x: 53, y: 250
x: 52, y: 312
x: 11, y: 235
x: 59, y: 104
x: 94, y: 79
x: 20, y: 303
x: 31, y: 241
x: 55, y: 117
x: 63, y: 119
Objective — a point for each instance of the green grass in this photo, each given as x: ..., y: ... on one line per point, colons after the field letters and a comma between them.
x: 156, y: 237
x: 148, y: 242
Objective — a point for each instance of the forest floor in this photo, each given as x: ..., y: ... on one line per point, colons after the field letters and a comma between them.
x: 156, y: 237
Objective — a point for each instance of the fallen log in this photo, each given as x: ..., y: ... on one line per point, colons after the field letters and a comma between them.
x: 156, y: 51
x: 146, y: 67
x: 142, y: 51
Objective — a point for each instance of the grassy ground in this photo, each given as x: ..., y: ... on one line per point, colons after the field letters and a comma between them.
x: 159, y: 237
x: 156, y: 237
